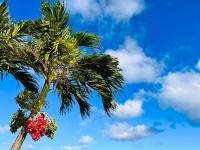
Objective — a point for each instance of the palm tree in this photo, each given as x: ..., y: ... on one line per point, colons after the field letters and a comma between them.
x: 57, y: 54
x: 11, y: 49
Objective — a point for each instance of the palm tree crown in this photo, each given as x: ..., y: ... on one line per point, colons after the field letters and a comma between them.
x: 57, y: 53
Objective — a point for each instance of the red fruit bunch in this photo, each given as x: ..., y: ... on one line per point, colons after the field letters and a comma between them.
x: 37, y: 127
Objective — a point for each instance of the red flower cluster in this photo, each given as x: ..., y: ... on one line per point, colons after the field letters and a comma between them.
x: 37, y: 128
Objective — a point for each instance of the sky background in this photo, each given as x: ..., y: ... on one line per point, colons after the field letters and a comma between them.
x: 157, y: 44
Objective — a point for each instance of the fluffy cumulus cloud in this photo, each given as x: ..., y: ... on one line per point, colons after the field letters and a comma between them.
x: 130, y: 109
x: 119, y: 10
x: 70, y: 148
x: 86, y: 140
x: 180, y: 90
x: 136, y: 65
x: 88, y: 9
x: 125, y: 132
x: 4, y: 128
x: 123, y: 9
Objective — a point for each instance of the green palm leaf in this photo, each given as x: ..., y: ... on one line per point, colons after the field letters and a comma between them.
x: 12, y: 48
x: 22, y: 76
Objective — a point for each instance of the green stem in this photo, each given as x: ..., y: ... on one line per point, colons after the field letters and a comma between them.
x: 43, y: 95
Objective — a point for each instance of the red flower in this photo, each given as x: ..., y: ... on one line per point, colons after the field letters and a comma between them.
x: 36, y: 135
x: 37, y: 128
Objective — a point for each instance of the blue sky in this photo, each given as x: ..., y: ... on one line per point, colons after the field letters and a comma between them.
x: 157, y: 44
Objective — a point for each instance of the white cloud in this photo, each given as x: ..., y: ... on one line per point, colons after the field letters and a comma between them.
x: 4, y: 128
x: 87, y: 8
x: 130, y: 109
x: 120, y: 10
x: 125, y: 132
x: 70, y: 148
x: 86, y: 140
x: 181, y: 91
x: 136, y: 66
x: 124, y: 9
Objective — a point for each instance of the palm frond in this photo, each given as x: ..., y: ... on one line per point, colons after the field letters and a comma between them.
x: 12, y: 58
x: 65, y: 96
x: 55, y: 14
x: 23, y: 76
x: 71, y: 92
x: 102, y: 74
x: 4, y: 17
x: 106, y: 66
x: 90, y: 40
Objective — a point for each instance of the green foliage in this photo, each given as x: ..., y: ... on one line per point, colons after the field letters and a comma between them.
x: 52, y: 127
x: 90, y: 40
x: 55, y: 51
x: 4, y: 19
x: 94, y: 72
x: 18, y: 120
x: 12, y: 48
x: 27, y: 100
x: 74, y: 74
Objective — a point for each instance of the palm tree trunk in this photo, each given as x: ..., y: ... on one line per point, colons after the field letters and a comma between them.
x: 22, y: 135
x: 19, y: 140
